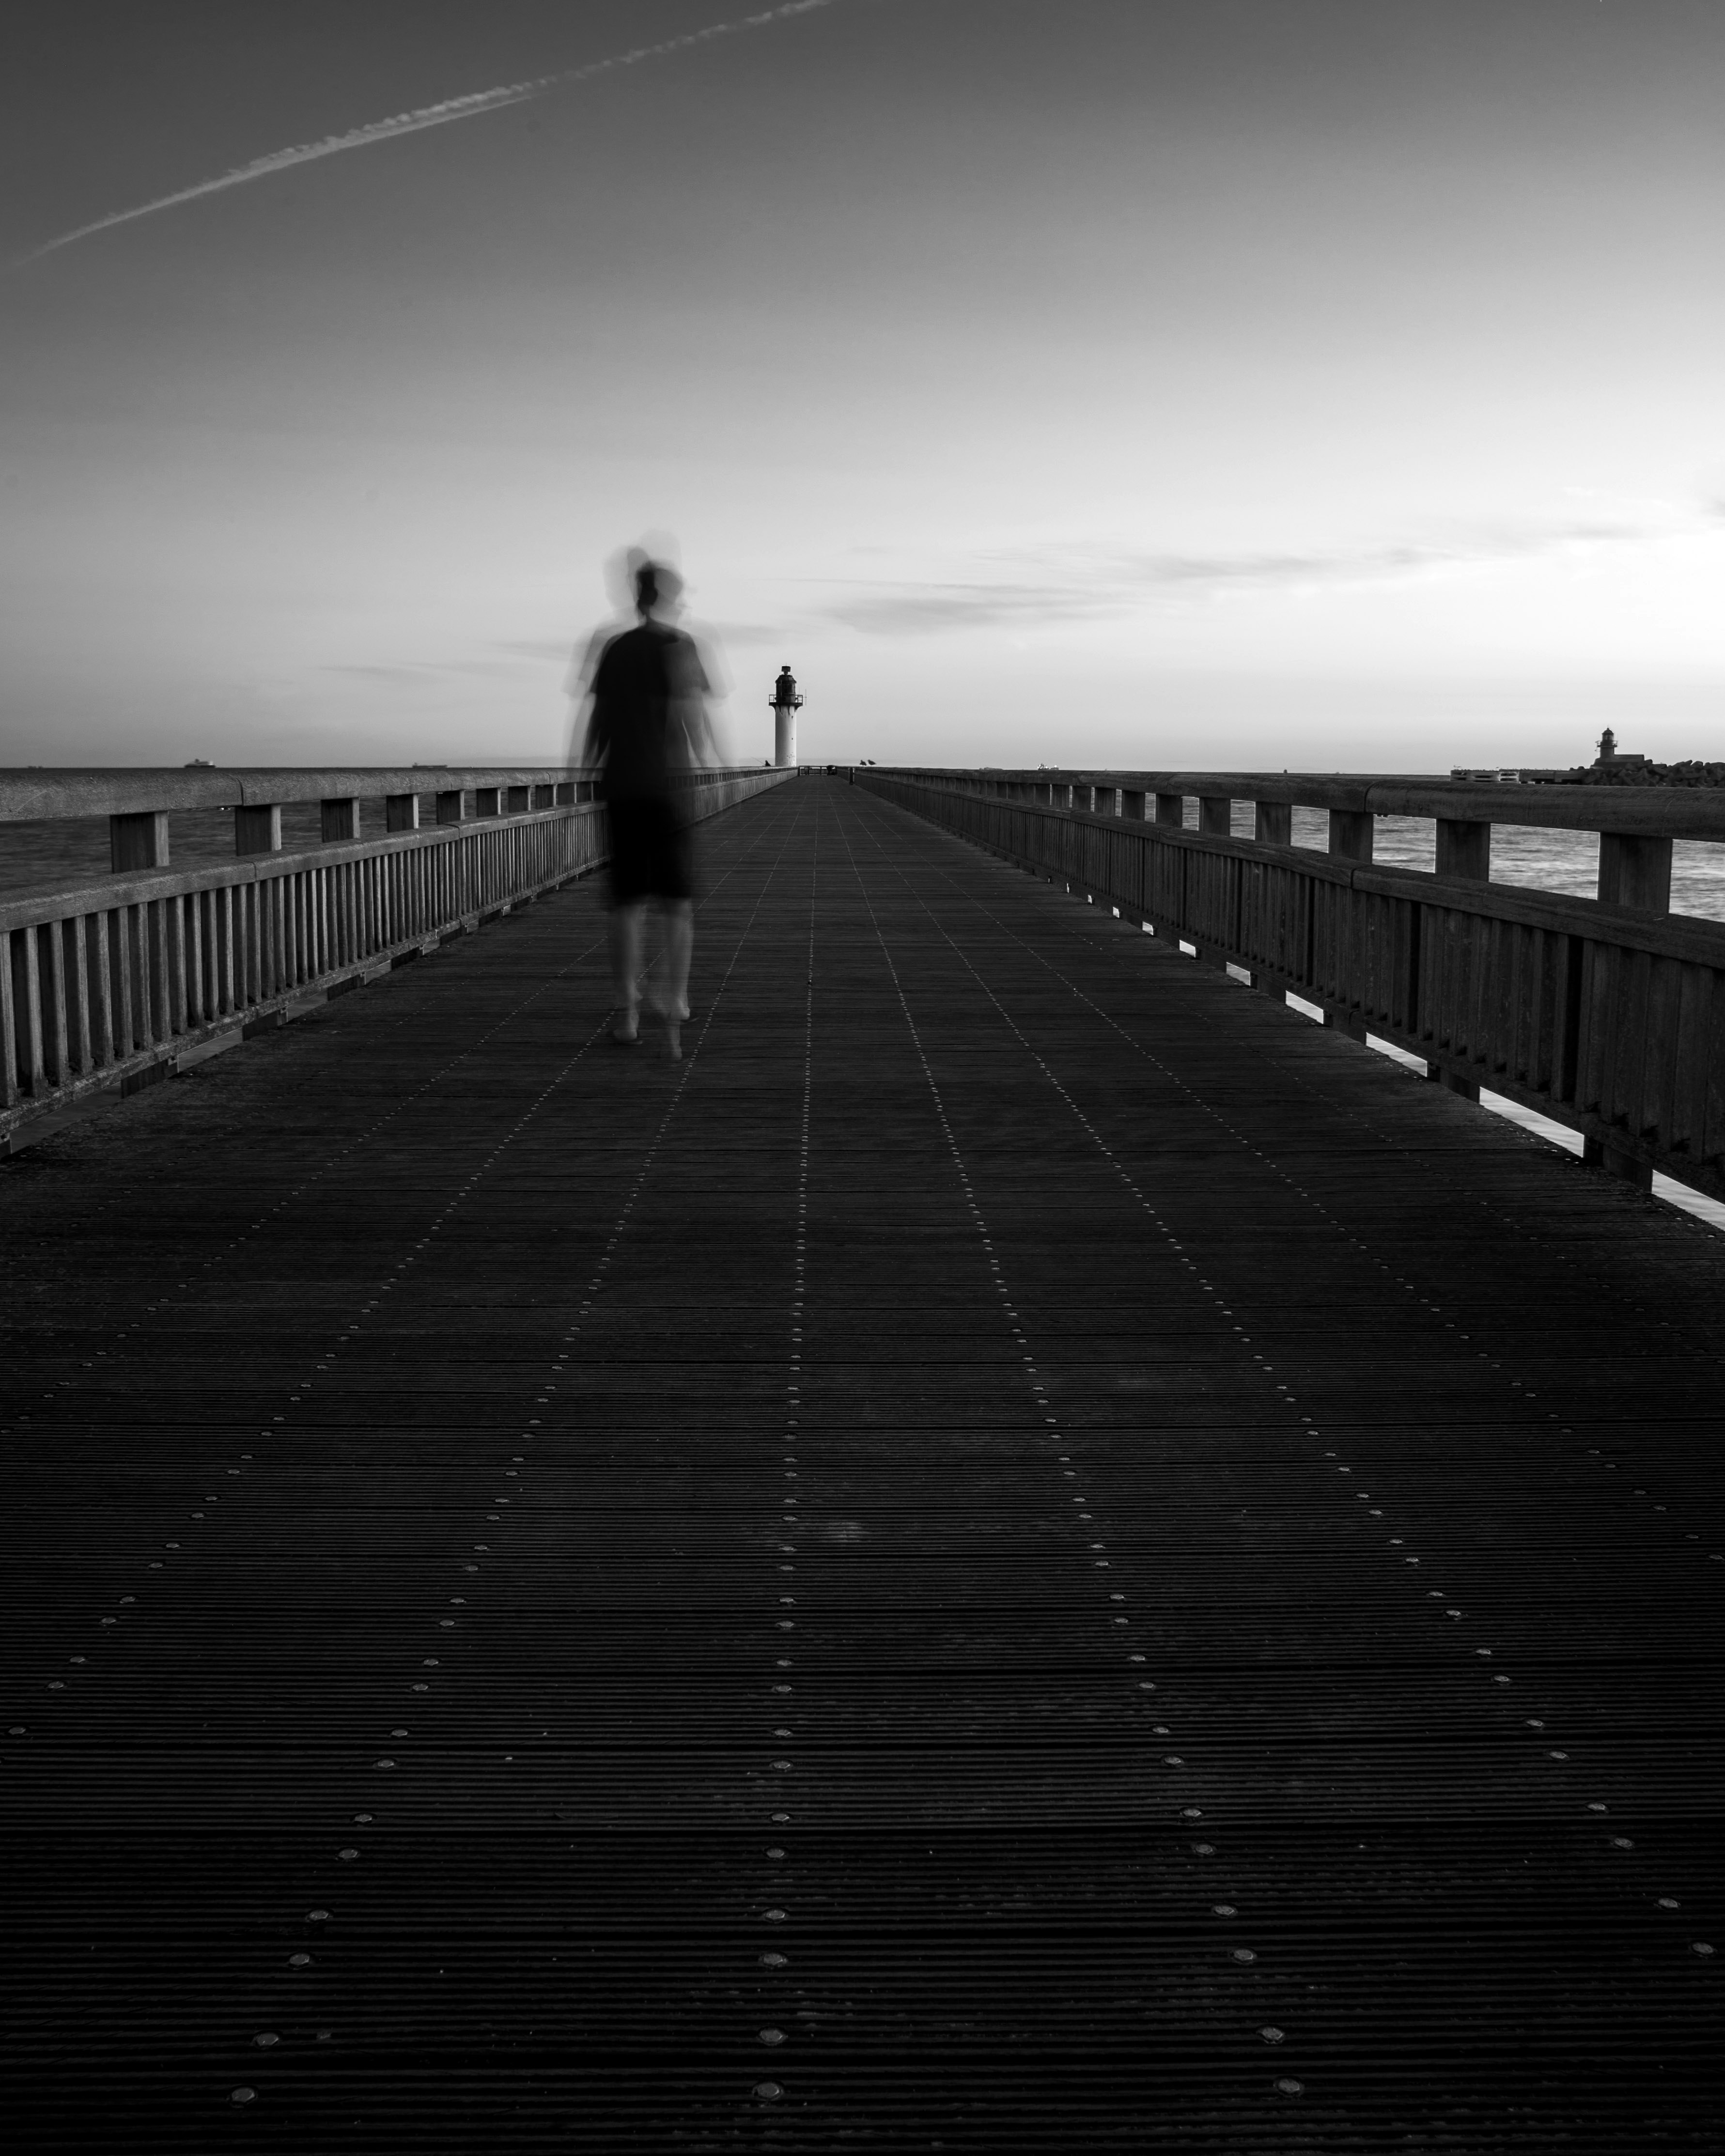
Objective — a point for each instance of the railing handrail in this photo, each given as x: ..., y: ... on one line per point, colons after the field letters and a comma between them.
x: 1665, y: 812
x: 120, y: 981
x: 54, y: 902
x: 1606, y: 1012
x: 31, y: 794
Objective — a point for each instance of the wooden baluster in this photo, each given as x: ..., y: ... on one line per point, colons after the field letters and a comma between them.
x: 263, y: 941
x: 78, y: 983
x: 143, y: 1004
x: 225, y: 928
x: 153, y: 921
x: 293, y: 939
x: 120, y: 949
x: 56, y: 1055
x: 9, y: 1057
x: 176, y: 1000
x: 1273, y: 823
x: 401, y: 812
x: 28, y: 991
x: 340, y: 820
x: 102, y: 976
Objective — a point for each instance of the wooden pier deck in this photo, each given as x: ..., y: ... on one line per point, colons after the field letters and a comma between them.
x: 1025, y: 1552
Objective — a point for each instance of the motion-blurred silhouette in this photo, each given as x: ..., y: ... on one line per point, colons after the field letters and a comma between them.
x: 646, y: 730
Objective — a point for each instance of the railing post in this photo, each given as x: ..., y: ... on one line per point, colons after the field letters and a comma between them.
x: 257, y: 828
x: 1273, y: 823
x: 450, y: 807
x: 1635, y: 873
x: 1464, y: 849
x: 138, y: 840
x: 564, y: 792
x: 1215, y: 816
x: 1351, y: 833
x: 518, y: 801
x: 1131, y: 803
x: 1170, y: 809
x: 1350, y: 840
x: 340, y: 820
x: 401, y: 812
x: 486, y: 801
x: 1103, y: 800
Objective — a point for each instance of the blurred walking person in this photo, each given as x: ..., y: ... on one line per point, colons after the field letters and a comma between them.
x: 648, y: 729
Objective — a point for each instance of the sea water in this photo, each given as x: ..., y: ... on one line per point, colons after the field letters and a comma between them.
x: 1538, y: 860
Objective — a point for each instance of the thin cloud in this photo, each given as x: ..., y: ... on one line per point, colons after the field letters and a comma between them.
x: 536, y: 647
x: 898, y: 609
x: 415, y: 673
x: 470, y: 107
x: 1095, y: 585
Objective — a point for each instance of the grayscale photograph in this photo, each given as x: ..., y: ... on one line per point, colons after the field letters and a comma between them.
x: 862, y: 1077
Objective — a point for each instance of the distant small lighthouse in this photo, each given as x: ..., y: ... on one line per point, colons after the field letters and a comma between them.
x: 786, y: 704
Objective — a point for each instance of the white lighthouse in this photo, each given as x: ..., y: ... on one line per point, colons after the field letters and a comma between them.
x: 786, y: 704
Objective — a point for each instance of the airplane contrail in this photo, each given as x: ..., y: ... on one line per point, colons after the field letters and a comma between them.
x: 429, y: 115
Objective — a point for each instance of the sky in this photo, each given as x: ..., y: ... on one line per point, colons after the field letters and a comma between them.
x: 1208, y: 384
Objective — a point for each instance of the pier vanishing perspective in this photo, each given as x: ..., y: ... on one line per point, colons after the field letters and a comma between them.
x: 1026, y: 1551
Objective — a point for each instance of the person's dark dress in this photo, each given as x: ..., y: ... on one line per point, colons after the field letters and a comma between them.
x: 641, y: 691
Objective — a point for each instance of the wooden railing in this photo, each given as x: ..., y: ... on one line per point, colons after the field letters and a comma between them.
x: 1607, y: 1014
x: 115, y: 983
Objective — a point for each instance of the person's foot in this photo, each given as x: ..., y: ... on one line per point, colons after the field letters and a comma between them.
x: 673, y: 1041
x: 626, y: 1028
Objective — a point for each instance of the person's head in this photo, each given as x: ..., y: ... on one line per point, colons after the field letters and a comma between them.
x: 657, y: 586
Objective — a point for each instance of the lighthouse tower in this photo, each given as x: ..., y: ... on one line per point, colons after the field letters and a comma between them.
x: 786, y: 704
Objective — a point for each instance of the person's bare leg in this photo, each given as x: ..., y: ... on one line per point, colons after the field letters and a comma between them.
x: 626, y: 923
x: 669, y: 996
x: 678, y: 950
